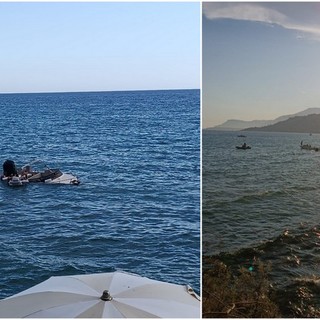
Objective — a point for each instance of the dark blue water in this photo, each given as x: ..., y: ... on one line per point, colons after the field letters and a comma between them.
x: 137, y: 208
x: 264, y: 204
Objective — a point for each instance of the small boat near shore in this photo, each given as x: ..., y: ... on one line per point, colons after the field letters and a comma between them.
x: 19, y: 177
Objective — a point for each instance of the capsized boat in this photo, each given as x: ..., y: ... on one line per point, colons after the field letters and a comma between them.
x: 26, y: 174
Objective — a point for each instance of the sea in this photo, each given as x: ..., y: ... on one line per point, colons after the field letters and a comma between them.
x: 263, y: 204
x: 137, y: 208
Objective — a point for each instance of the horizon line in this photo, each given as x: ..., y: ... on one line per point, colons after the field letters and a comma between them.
x: 97, y: 91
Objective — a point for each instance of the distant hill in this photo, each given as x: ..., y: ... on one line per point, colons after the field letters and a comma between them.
x: 235, y: 125
x: 299, y: 124
x: 232, y: 125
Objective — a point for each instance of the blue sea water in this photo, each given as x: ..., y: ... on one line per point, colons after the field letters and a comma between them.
x: 137, y: 208
x: 263, y: 204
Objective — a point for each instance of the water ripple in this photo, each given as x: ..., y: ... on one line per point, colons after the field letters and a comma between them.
x: 137, y: 208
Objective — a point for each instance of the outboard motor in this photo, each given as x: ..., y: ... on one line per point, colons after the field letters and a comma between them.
x: 9, y: 168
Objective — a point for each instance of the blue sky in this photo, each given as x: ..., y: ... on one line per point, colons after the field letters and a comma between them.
x: 260, y: 60
x: 103, y: 46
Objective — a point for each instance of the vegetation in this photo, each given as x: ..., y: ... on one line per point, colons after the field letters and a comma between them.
x: 246, y: 293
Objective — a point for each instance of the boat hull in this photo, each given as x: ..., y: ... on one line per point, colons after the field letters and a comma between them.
x: 243, y: 148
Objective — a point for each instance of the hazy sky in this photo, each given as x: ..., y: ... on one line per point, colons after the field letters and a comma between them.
x: 88, y: 46
x: 260, y: 60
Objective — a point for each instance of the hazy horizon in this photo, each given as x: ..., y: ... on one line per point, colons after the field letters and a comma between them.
x: 261, y: 119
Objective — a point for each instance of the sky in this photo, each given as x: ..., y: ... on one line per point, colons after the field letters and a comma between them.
x: 99, y: 46
x: 260, y: 60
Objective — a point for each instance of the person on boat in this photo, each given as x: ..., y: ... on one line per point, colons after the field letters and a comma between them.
x: 244, y: 145
x: 26, y: 171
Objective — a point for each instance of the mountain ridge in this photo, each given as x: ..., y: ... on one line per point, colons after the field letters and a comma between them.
x: 236, y: 125
x: 299, y: 124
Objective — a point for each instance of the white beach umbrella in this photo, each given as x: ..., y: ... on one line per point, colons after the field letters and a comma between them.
x: 106, y: 295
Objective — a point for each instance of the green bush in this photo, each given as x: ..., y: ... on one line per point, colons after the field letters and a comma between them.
x: 244, y: 294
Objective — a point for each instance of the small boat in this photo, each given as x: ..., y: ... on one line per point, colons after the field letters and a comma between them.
x: 243, y: 147
x: 18, y: 177
x: 242, y: 136
x: 308, y: 147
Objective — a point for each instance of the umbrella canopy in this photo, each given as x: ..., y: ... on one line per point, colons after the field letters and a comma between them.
x: 106, y: 295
